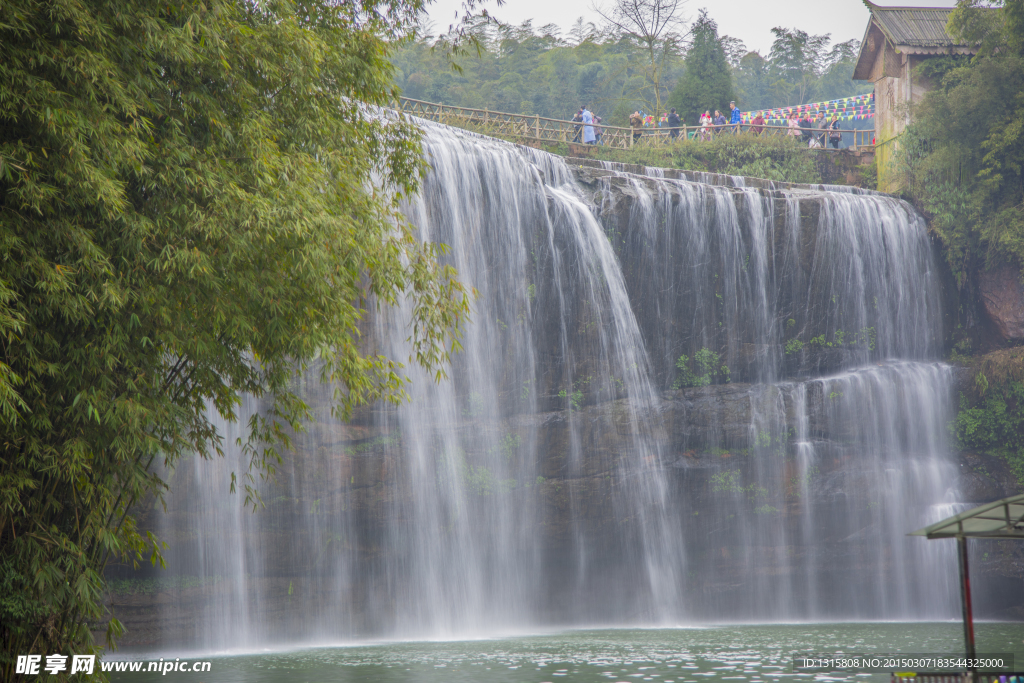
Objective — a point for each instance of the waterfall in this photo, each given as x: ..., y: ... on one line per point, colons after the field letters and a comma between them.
x: 682, y: 398
x: 812, y: 493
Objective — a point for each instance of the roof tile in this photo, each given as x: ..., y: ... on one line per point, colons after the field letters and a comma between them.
x: 915, y: 26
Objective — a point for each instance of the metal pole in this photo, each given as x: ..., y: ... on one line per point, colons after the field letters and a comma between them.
x: 965, y: 599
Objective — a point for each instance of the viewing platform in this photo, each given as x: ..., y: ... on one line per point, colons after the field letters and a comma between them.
x: 540, y: 130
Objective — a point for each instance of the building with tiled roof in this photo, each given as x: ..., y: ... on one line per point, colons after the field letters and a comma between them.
x: 896, y: 41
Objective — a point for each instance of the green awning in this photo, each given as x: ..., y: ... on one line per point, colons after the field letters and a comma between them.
x: 1001, y: 519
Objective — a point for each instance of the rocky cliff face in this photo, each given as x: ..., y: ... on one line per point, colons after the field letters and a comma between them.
x: 802, y: 281
x: 708, y: 459
x: 1002, y: 300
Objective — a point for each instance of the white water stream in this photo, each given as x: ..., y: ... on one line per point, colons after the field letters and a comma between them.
x: 557, y: 479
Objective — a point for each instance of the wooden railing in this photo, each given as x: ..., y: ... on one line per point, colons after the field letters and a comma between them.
x: 545, y: 130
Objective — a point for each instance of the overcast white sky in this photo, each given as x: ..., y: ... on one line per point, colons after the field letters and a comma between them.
x: 749, y: 20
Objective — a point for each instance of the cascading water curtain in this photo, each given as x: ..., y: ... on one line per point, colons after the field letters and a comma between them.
x: 677, y: 402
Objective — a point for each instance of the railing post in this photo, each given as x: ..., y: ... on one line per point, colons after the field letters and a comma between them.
x: 537, y: 124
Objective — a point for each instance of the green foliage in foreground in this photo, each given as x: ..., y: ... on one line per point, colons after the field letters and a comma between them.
x: 187, y: 213
x: 775, y: 158
x: 963, y: 158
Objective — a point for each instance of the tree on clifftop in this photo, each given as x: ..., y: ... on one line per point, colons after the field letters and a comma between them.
x: 656, y: 28
x: 195, y: 203
x: 707, y: 83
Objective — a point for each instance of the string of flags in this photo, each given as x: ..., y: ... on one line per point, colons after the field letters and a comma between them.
x: 855, y: 108
x: 782, y: 119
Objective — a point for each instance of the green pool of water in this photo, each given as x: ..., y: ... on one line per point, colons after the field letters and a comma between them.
x: 751, y: 654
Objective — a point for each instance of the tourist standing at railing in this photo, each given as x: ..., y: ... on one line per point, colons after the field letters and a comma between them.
x: 835, y: 136
x: 720, y: 122
x: 636, y: 122
x: 705, y: 126
x: 577, y: 129
x: 588, y: 126
x: 598, y: 131
x: 816, y: 138
x: 734, y: 118
x: 822, y: 125
x: 794, y: 125
x: 806, y: 128
x: 673, y: 123
x: 757, y: 124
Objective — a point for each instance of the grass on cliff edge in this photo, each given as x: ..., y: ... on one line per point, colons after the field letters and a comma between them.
x: 781, y: 159
x: 774, y: 158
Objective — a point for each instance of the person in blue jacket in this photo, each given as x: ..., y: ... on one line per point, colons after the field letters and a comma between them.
x: 734, y: 119
x: 588, y: 127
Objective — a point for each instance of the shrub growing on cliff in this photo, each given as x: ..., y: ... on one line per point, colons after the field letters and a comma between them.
x: 990, y: 418
x: 187, y: 213
x: 995, y: 424
x: 702, y: 372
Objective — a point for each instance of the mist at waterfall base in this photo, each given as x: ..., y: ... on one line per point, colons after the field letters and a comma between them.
x: 575, y: 471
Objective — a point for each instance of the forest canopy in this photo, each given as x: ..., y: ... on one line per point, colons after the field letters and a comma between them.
x: 542, y: 70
